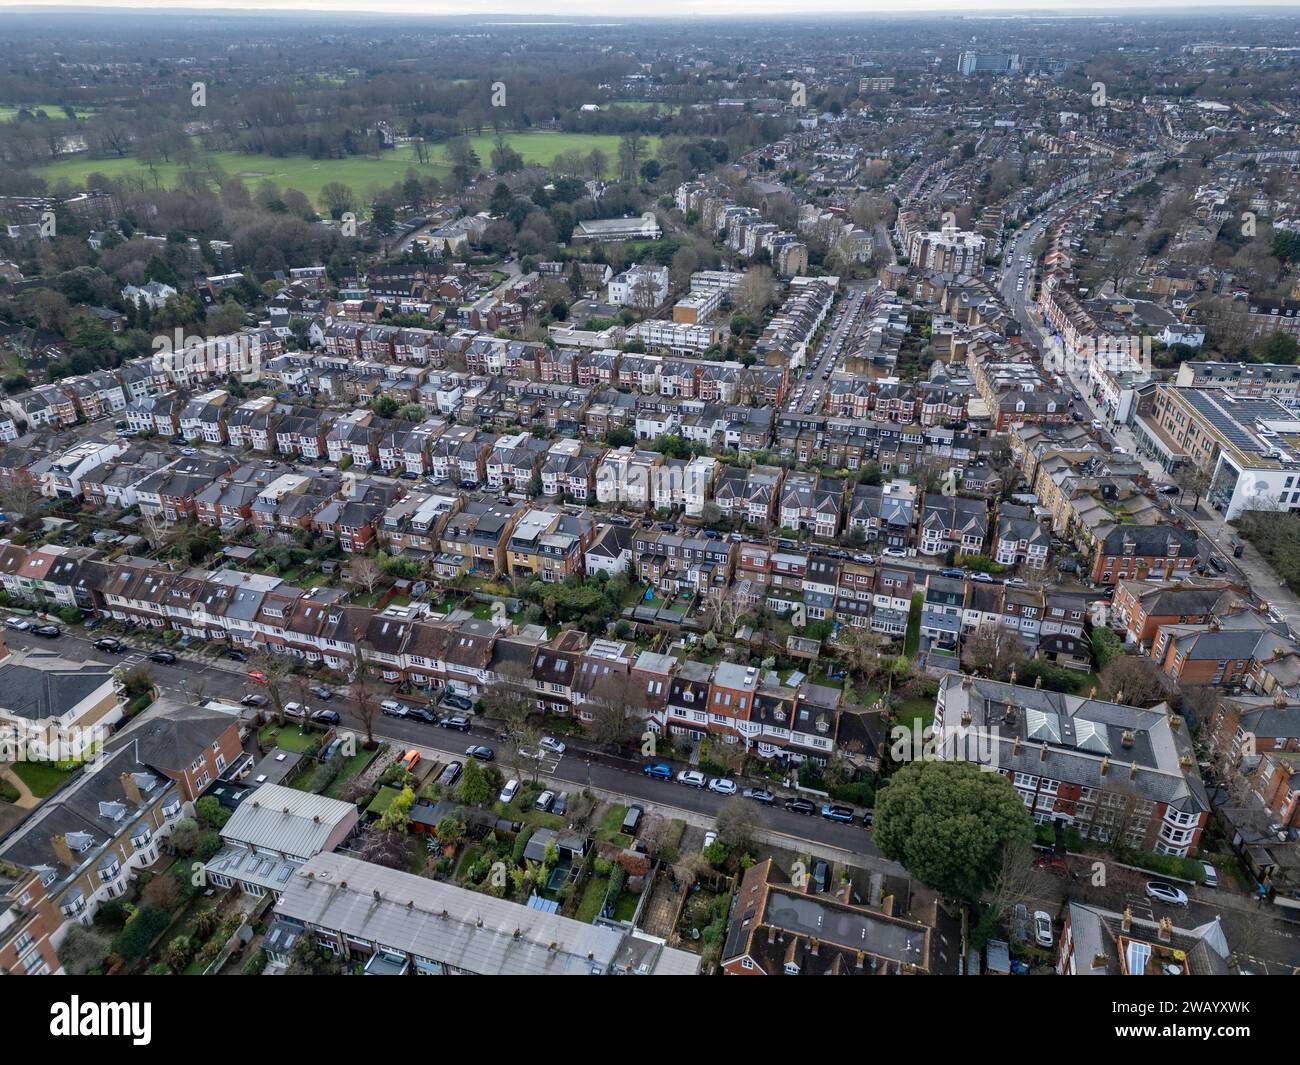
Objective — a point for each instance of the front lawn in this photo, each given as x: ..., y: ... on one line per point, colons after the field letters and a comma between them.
x: 287, y: 737
x: 41, y: 778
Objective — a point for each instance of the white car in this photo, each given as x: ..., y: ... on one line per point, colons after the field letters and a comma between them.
x: 722, y: 786
x: 1211, y: 875
x: 709, y: 838
x: 692, y: 778
x: 509, y: 792
x: 894, y: 552
x: 550, y: 743
x: 1042, y: 928
x: 295, y: 710
x: 1015, y: 582
x: 1162, y: 892
x: 17, y: 623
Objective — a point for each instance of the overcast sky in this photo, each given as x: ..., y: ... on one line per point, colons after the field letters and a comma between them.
x: 539, y: 10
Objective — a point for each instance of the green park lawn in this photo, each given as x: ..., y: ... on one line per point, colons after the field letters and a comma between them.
x: 361, y: 173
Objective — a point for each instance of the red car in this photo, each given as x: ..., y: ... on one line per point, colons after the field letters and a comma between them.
x: 257, y: 676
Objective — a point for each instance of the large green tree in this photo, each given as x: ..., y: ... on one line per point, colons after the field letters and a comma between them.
x: 948, y: 823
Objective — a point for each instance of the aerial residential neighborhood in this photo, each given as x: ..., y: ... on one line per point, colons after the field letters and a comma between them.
x: 763, y: 495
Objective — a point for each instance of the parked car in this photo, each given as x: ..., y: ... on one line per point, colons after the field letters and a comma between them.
x: 254, y: 700
x: 322, y: 692
x: 457, y: 721
x: 17, y: 623
x: 457, y: 702
x: 296, y: 710
x: 692, y: 778
x: 842, y: 814
x: 722, y: 786
x: 1211, y: 875
x: 550, y: 743
x: 561, y: 806
x: 449, y: 775
x: 110, y: 644
x: 982, y: 578
x: 865, y: 559
x: 393, y: 708
x: 509, y: 792
x: 800, y: 806
x: 165, y: 658
x: 1015, y: 582
x: 422, y: 713
x: 1020, y: 922
x: 50, y: 632
x: 659, y: 770
x: 821, y: 874
x: 1042, y: 928
x: 632, y: 819
x: 1162, y: 892
x: 953, y: 572
x: 1217, y: 564
x: 326, y: 717
x: 483, y: 754
x: 545, y: 801
x: 235, y: 654
x: 257, y: 676
x: 894, y: 552
x: 760, y: 795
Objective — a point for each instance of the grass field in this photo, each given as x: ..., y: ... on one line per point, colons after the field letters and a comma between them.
x: 360, y: 173
x: 9, y: 111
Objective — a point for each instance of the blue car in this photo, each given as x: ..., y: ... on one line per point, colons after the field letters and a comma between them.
x: 843, y: 814
x: 952, y: 571
x: 659, y: 770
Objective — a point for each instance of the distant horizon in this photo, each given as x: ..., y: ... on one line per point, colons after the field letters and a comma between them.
x: 524, y: 12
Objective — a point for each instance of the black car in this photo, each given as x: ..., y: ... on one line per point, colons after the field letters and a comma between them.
x: 164, y: 657
x: 50, y: 632
x: 457, y: 702
x: 800, y: 806
x: 109, y: 644
x: 561, y: 804
x: 236, y: 655
x: 254, y: 700
x: 326, y: 717
x: 422, y: 713
x: 483, y: 754
x: 457, y: 721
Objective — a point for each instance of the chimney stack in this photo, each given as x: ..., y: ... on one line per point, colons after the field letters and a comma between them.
x: 132, y: 789
x: 64, y: 852
x: 1166, y: 930
x: 1126, y: 925
x: 1105, y: 763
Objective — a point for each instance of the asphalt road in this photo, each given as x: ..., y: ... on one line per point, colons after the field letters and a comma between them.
x: 831, y: 349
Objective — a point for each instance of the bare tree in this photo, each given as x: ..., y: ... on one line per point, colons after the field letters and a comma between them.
x: 738, y: 822
x: 1135, y: 678
x: 366, y: 694
x: 1014, y: 879
x: 616, y: 706
x: 755, y: 291
x: 365, y: 573
x: 995, y: 651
